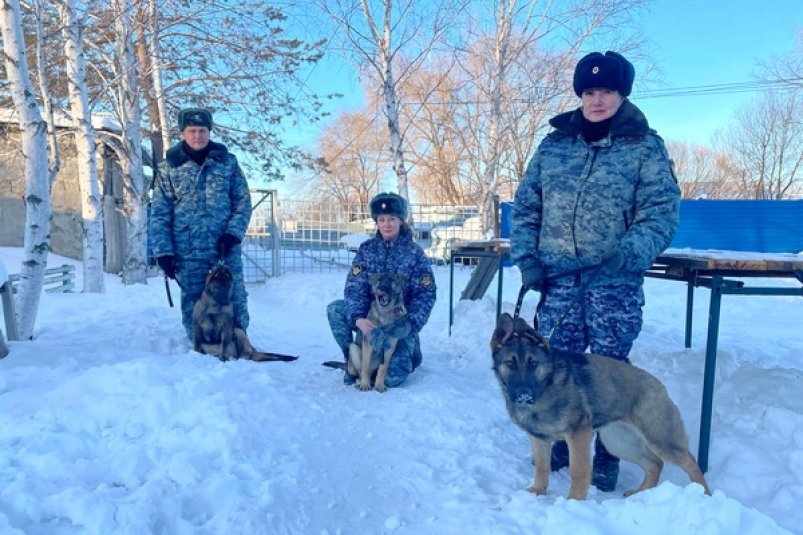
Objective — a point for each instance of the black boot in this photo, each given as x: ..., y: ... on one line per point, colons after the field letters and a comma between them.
x: 560, y: 455
x: 606, y: 468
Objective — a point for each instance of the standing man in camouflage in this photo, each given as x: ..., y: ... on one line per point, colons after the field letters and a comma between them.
x: 600, y: 189
x: 199, y: 214
x: 391, y: 250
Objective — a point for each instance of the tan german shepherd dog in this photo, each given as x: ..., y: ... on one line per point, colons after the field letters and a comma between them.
x: 555, y: 395
x: 213, y: 330
x: 388, y: 312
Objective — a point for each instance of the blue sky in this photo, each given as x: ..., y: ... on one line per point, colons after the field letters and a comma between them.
x: 692, y: 43
x: 706, y: 42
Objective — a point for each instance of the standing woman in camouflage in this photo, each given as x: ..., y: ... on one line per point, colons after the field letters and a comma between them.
x: 392, y: 250
x: 199, y: 213
x: 600, y: 189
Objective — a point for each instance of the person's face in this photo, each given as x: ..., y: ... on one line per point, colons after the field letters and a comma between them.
x: 197, y: 137
x: 600, y: 104
x: 389, y: 226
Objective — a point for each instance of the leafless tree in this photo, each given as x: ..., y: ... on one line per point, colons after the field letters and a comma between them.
x: 38, y: 207
x: 523, y: 34
x: 353, y: 161
x: 703, y: 172
x: 73, y: 22
x: 389, y: 40
x: 766, y: 143
x: 129, y: 150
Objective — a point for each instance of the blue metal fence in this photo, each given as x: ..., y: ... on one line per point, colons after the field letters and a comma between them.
x: 732, y: 225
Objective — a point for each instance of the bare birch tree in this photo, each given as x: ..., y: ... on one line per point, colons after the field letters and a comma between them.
x: 38, y: 207
x: 377, y: 34
x: 54, y: 154
x: 525, y: 30
x: 88, y: 185
x: 130, y: 150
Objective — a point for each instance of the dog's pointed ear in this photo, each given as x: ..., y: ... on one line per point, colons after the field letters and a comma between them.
x: 522, y: 328
x: 503, y: 331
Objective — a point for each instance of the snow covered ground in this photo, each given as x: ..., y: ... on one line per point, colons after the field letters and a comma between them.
x: 110, y: 424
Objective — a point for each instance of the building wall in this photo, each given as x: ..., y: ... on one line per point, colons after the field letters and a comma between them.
x: 65, y: 233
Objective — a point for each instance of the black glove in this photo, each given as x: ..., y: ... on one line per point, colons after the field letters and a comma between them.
x: 225, y: 243
x: 612, y: 261
x: 532, y: 278
x: 167, y: 264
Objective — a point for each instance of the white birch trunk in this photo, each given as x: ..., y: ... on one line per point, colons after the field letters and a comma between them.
x: 47, y: 100
x: 490, y: 179
x: 88, y: 185
x: 134, y: 257
x: 34, y: 148
x: 158, y: 78
x: 383, y: 42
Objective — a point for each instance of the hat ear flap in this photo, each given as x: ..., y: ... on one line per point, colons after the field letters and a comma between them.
x: 628, y: 72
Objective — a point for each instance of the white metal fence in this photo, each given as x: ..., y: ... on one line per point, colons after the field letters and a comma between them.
x: 309, y: 236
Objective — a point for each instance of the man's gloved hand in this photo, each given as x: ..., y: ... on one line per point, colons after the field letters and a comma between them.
x: 225, y: 243
x: 532, y: 278
x: 167, y: 264
x: 379, y: 339
x: 612, y: 261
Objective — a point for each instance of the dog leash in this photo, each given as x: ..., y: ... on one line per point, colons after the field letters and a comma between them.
x: 581, y: 290
x: 167, y: 291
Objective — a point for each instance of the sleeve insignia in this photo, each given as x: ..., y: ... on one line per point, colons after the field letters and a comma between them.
x: 426, y: 281
x: 356, y: 270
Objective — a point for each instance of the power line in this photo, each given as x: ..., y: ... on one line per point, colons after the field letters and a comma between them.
x: 723, y: 89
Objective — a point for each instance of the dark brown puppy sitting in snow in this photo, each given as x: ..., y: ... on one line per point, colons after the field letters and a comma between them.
x: 213, y: 330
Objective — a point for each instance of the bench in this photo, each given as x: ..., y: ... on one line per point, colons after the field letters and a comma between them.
x: 490, y: 254
x: 59, y: 279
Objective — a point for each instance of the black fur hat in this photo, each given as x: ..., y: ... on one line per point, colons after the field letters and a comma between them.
x: 194, y: 117
x: 389, y: 204
x: 609, y: 70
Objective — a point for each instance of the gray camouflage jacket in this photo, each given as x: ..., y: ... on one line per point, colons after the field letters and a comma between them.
x: 194, y: 204
x: 403, y: 256
x: 578, y: 200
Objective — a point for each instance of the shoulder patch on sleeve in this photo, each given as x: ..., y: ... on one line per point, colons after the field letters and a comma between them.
x: 426, y: 280
x: 356, y: 270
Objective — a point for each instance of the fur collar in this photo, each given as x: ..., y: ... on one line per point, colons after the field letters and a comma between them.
x: 628, y: 121
x: 176, y: 156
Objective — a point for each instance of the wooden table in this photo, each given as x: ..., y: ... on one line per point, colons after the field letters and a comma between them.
x: 721, y: 272
x: 491, y: 254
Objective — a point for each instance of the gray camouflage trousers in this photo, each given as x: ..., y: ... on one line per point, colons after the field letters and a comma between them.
x: 606, y: 320
x: 406, y: 358
x: 191, y: 276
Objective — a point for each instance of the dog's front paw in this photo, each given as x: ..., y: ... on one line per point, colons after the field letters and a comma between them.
x: 380, y: 387
x: 364, y: 386
x: 538, y: 490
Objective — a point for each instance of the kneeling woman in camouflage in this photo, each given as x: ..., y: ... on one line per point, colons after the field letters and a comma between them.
x: 391, y: 251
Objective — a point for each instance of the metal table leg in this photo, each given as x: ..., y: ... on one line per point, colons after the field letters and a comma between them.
x: 710, y: 371
x: 689, y: 309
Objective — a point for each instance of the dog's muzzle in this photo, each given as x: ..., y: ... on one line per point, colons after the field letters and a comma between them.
x: 524, y: 399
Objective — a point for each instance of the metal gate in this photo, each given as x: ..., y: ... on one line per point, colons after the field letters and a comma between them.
x: 311, y: 236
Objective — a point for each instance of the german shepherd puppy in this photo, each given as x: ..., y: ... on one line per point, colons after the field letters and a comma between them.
x: 213, y: 329
x: 556, y: 395
x: 387, y: 311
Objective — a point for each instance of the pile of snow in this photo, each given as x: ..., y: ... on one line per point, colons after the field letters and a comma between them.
x: 110, y: 424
